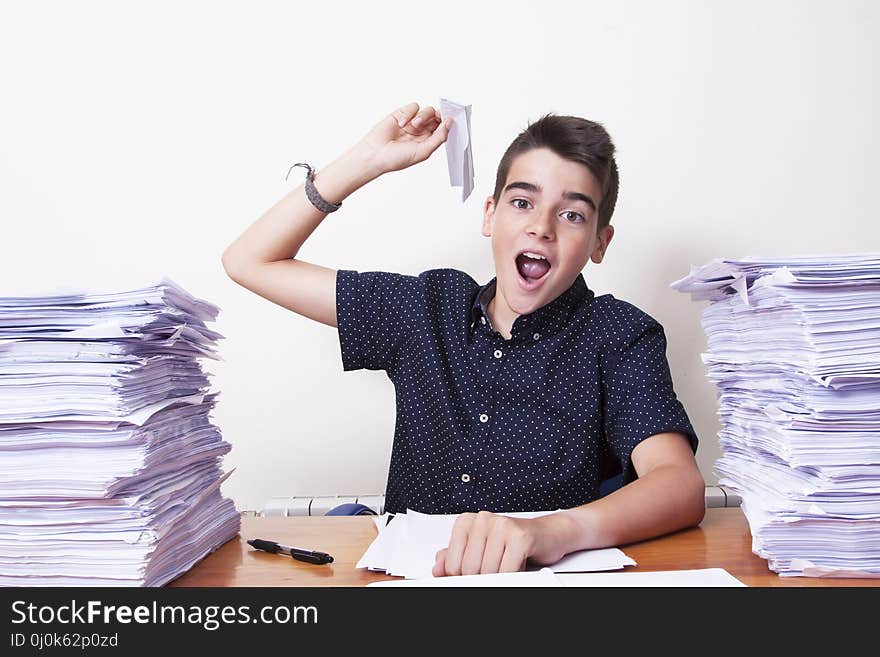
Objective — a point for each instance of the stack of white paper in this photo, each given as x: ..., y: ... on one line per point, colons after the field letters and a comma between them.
x: 794, y: 350
x: 407, y: 546
x: 111, y: 466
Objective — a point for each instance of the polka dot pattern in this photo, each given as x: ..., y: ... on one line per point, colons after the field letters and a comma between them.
x: 483, y: 423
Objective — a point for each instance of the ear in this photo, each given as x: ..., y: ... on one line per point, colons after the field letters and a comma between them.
x: 604, y: 239
x: 488, y: 216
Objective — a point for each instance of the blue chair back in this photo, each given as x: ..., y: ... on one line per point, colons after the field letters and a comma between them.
x: 351, y: 509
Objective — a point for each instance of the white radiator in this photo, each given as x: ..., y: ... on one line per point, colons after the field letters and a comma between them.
x: 716, y: 496
x: 319, y: 505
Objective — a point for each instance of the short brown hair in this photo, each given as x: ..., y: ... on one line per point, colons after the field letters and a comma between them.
x: 571, y: 138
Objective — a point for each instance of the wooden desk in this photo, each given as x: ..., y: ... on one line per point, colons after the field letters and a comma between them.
x: 721, y: 541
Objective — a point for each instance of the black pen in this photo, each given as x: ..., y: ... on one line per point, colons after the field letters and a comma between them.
x: 309, y: 556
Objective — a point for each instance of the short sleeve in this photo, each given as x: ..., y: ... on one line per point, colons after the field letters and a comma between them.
x: 376, y: 313
x: 639, y: 397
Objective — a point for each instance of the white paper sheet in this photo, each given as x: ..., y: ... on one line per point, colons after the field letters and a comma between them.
x: 408, y: 545
x: 539, y: 578
x: 545, y: 577
x: 459, y: 146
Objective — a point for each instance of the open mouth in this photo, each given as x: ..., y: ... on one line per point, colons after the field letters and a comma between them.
x: 532, y: 269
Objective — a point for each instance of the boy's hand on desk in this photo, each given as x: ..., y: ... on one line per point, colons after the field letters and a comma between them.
x: 405, y: 137
x: 488, y: 543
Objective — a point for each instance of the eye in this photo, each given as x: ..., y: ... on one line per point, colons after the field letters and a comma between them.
x: 519, y: 200
x: 576, y: 217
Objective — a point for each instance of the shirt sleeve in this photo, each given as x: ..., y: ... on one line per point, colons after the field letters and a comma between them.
x: 639, y: 397
x: 376, y: 313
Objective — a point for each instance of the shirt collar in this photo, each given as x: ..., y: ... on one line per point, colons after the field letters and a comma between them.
x: 549, y: 318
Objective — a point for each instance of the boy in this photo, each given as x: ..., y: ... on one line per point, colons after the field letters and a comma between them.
x: 516, y: 395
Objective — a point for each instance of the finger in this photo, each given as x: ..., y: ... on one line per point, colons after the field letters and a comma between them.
x: 439, y: 569
x: 493, y: 553
x: 440, y: 134
x: 479, y: 532
x: 514, y: 558
x: 458, y: 543
x: 472, y: 559
x: 404, y: 115
x: 424, y: 115
x: 422, y: 125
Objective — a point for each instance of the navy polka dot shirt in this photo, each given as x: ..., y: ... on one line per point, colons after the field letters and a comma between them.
x: 532, y: 423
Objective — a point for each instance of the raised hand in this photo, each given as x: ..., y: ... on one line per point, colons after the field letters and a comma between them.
x: 405, y: 137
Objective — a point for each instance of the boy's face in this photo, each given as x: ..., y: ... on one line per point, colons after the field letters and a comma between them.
x: 548, y: 207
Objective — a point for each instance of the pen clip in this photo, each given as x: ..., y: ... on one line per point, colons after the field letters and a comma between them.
x: 265, y: 546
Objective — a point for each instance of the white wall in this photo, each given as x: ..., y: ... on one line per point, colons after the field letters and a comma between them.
x: 140, y: 138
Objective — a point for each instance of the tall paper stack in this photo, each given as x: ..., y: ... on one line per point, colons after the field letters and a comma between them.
x: 794, y: 350
x: 110, y: 465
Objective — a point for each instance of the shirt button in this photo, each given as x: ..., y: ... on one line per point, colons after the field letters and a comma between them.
x: 497, y: 353
x: 537, y: 336
x: 482, y: 320
x: 484, y: 418
x: 465, y: 478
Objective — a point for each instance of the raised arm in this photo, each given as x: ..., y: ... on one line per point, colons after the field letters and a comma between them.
x: 263, y: 258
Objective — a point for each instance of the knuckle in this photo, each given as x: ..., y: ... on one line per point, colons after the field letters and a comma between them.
x: 484, y: 520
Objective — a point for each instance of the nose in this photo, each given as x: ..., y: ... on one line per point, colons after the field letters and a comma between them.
x: 542, y: 225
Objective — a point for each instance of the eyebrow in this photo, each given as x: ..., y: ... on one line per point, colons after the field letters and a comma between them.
x: 536, y: 189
